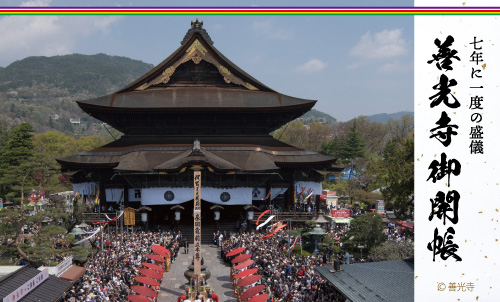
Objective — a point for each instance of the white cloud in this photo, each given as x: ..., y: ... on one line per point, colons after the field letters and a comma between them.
x: 312, y: 66
x: 36, y: 3
x: 384, y: 44
x: 23, y: 36
x: 268, y: 29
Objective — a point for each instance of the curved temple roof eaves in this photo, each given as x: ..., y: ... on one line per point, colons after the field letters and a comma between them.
x: 197, y: 98
x: 134, y: 143
x: 236, y: 160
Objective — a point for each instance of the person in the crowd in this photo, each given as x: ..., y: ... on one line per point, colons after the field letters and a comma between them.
x: 214, y: 297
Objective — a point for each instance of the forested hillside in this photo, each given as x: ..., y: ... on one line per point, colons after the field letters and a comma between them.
x: 43, y: 90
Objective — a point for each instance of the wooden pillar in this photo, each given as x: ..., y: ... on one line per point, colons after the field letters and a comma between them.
x: 291, y: 195
x: 125, y: 197
x: 316, y: 204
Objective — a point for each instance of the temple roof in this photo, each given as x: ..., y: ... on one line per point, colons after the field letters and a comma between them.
x: 196, y: 93
x: 206, y: 158
x: 197, y: 46
x: 195, y: 78
x: 168, y: 154
x: 197, y: 98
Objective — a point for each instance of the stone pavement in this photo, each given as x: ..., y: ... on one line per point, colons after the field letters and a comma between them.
x: 174, y: 281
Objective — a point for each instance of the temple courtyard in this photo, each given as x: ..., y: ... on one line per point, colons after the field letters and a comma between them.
x: 172, y: 285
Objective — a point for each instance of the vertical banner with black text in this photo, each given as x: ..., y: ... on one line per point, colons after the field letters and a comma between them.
x: 197, y: 223
x: 457, y: 179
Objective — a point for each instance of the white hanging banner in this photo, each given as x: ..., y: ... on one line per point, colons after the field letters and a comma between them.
x: 165, y: 196
x: 316, y: 187
x: 114, y: 195
x: 236, y: 196
x: 277, y: 191
x: 86, y: 188
x: 134, y: 195
x: 91, y: 235
x: 171, y: 196
x: 258, y: 193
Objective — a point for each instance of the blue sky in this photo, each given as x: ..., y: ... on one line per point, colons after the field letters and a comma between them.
x: 353, y: 65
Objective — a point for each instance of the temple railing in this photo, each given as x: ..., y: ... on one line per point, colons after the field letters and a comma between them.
x: 94, y: 217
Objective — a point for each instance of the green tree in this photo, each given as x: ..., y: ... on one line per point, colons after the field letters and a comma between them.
x: 334, y: 147
x: 347, y: 148
x: 365, y: 230
x: 396, y: 173
x: 293, y: 133
x: 45, y: 245
x: 402, y: 128
x: 52, y: 145
x: 393, y: 250
x: 354, y: 145
x: 19, y: 146
x: 4, y: 134
x: 40, y: 245
x: 86, y: 143
x: 374, y: 135
x: 15, y: 168
x: 317, y: 133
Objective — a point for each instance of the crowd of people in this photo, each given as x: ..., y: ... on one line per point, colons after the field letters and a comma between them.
x: 110, y: 273
x: 397, y: 234
x: 287, y: 279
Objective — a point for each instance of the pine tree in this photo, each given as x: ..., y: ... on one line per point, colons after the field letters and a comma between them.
x: 354, y: 146
x: 19, y: 147
x: 396, y: 173
x: 15, y: 161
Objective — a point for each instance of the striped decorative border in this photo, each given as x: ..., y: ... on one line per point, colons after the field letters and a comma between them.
x: 249, y: 10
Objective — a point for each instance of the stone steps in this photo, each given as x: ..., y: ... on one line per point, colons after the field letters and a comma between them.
x: 207, y: 232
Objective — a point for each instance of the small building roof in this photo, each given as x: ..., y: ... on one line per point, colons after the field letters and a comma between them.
x: 390, y: 215
x: 387, y: 281
x: 73, y: 273
x: 49, y: 290
x: 321, y: 219
x: 8, y: 269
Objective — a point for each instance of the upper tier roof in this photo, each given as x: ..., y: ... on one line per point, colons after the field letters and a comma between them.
x: 196, y: 77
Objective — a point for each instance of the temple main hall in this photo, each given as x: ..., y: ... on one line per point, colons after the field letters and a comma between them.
x: 197, y: 110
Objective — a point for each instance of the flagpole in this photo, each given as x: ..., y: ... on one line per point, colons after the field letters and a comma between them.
x: 271, y: 203
x: 300, y: 239
x: 289, y: 242
x: 100, y: 225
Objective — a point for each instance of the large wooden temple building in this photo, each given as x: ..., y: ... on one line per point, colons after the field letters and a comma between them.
x: 196, y: 109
